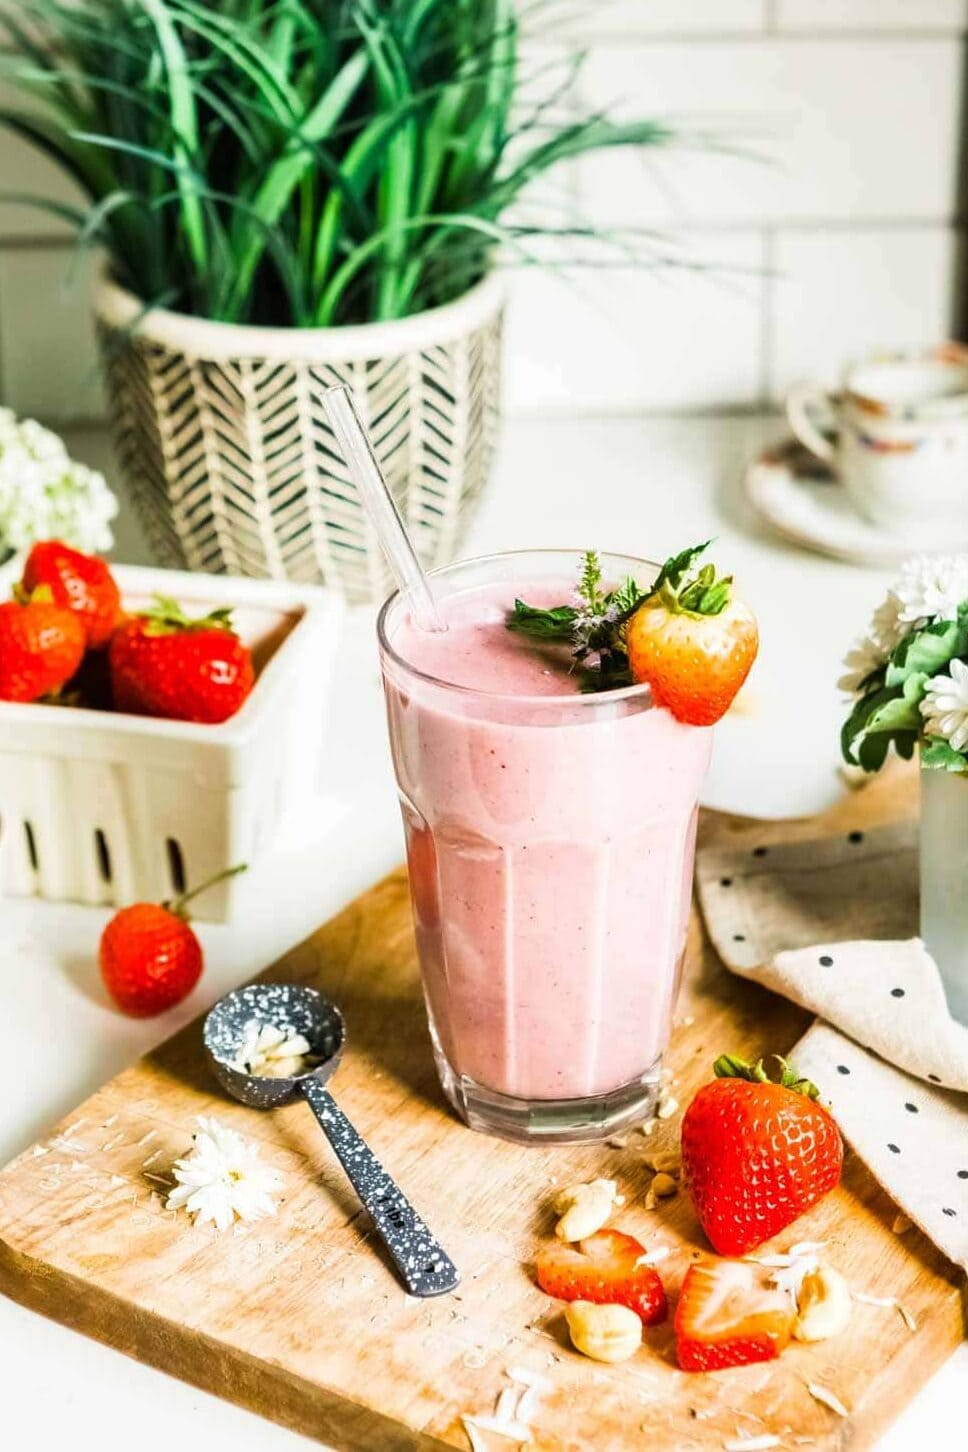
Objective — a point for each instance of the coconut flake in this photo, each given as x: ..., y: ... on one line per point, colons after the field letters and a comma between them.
x: 534, y: 1385
x: 889, y: 1303
x: 473, y: 1435
x: 867, y: 1300
x: 513, y: 1431
x: 40, y: 1149
x: 807, y: 1247
x: 654, y: 1255
x: 827, y: 1397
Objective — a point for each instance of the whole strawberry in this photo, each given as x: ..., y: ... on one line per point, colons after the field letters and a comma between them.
x: 41, y: 646
x: 692, y: 641
x: 78, y: 582
x: 149, y: 955
x: 163, y: 663
x: 756, y: 1153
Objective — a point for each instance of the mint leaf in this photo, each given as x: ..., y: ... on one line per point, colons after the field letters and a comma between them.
x: 555, y: 624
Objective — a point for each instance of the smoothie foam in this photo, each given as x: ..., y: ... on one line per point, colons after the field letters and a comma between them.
x: 551, y: 840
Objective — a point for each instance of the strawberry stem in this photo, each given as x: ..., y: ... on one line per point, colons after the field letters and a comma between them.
x: 177, y: 905
x: 773, y: 1070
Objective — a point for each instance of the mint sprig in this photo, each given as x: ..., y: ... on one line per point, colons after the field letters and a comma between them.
x: 595, y: 624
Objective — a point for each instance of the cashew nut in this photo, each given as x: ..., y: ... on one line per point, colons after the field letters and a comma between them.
x: 823, y: 1305
x: 584, y: 1208
x: 605, y: 1333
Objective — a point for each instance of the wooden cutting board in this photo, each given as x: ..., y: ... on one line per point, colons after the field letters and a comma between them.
x: 300, y: 1319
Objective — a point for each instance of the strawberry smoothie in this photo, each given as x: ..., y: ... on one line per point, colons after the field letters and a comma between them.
x: 550, y: 839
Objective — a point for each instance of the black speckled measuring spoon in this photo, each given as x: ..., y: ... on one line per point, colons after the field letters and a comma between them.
x: 423, y: 1265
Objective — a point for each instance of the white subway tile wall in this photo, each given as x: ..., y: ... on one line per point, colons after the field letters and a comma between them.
x: 831, y: 234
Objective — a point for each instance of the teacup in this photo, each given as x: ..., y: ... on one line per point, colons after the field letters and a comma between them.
x: 898, y: 440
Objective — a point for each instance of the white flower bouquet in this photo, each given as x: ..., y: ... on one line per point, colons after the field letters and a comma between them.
x: 44, y: 494
x: 909, y: 674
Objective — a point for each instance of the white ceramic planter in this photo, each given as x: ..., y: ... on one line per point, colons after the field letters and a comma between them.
x: 98, y: 807
x: 944, y: 881
x: 225, y: 448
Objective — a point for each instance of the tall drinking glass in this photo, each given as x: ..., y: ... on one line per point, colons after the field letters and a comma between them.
x: 550, y: 840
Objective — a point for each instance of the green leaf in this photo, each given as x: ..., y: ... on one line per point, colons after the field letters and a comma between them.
x: 677, y: 566
x: 927, y: 651
x: 894, y: 714
x: 941, y: 755
x: 555, y: 624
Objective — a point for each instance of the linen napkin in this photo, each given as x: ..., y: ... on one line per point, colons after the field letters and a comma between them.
x: 830, y: 924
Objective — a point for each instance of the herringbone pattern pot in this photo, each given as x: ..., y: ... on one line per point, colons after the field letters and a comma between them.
x: 224, y: 446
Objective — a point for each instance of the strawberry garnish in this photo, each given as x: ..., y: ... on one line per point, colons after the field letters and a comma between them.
x: 605, y: 1268
x: 41, y: 646
x: 757, y: 1151
x: 164, y: 663
x: 78, y: 582
x: 729, y: 1315
x: 692, y: 641
x: 150, y: 956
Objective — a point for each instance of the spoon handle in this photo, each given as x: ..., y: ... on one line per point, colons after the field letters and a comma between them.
x: 424, y: 1266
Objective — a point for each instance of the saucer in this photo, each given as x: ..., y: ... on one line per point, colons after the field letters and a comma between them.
x: 804, y: 501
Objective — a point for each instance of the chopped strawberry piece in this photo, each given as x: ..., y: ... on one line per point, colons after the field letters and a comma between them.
x: 729, y: 1315
x: 605, y: 1268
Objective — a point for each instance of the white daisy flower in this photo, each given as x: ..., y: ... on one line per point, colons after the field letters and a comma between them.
x: 945, y: 706
x: 931, y: 587
x: 222, y: 1178
x: 873, y: 649
x: 863, y: 657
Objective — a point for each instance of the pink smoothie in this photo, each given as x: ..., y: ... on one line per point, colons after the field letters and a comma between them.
x: 551, y: 850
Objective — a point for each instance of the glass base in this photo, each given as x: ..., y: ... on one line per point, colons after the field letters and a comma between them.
x: 551, y: 1121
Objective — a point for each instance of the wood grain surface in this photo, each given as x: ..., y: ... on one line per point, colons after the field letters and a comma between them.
x: 300, y: 1319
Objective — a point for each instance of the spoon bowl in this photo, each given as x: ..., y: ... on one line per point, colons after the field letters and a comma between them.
x: 290, y: 1007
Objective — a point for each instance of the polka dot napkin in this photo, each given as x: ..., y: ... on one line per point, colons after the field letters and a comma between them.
x: 830, y: 924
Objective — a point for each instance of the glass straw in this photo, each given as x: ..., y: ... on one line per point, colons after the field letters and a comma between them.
x: 357, y: 450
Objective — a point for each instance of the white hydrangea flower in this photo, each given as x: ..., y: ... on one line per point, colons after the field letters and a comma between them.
x: 44, y: 494
x: 222, y: 1178
x: 945, y: 706
x: 931, y: 587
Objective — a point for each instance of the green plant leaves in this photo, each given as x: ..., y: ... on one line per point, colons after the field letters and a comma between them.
x: 888, y: 710
x: 300, y: 162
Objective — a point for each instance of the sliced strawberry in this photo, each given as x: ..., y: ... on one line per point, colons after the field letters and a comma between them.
x: 729, y: 1314
x: 605, y: 1268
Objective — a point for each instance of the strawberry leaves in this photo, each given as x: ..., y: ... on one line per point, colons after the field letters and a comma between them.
x: 166, y: 616
x: 772, y: 1070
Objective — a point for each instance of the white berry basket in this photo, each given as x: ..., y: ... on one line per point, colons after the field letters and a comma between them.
x: 103, y: 807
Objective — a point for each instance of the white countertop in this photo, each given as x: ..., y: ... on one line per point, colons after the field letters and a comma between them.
x: 642, y: 486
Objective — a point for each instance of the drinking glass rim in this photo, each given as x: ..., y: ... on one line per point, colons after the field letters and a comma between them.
x: 580, y: 698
